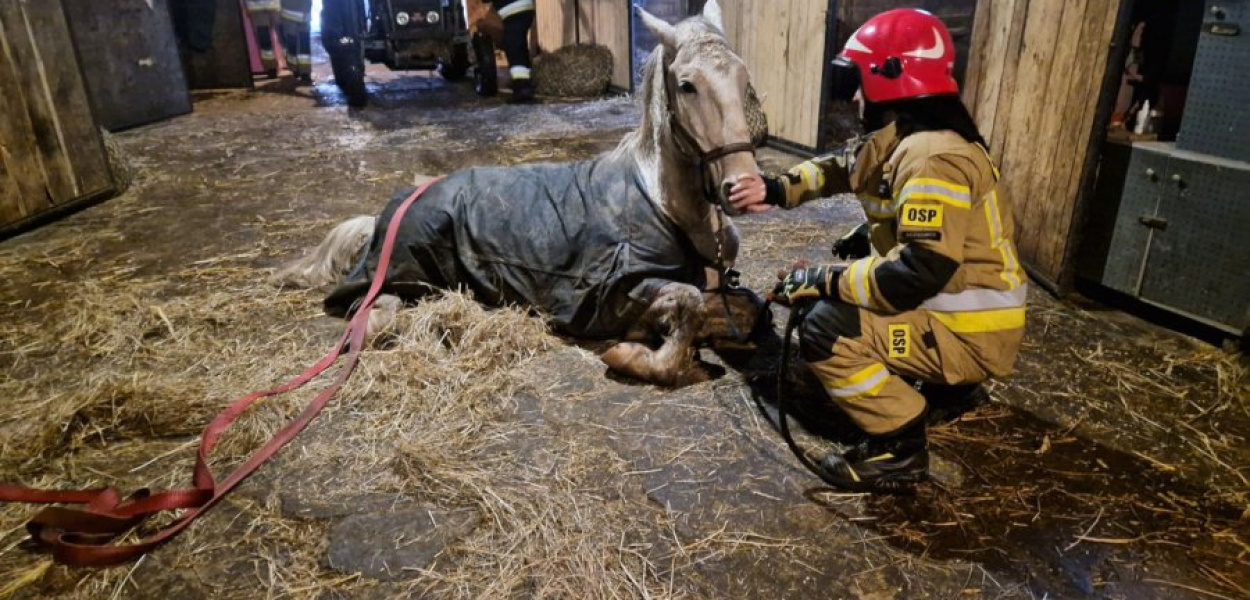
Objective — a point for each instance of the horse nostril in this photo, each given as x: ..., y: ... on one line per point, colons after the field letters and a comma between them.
x: 725, y: 188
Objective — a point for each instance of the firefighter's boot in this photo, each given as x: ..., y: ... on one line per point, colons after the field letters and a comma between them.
x: 522, y: 91
x: 892, y: 463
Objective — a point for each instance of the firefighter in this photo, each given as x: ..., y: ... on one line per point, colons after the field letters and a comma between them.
x: 518, y: 18
x: 935, y: 296
x: 292, y: 19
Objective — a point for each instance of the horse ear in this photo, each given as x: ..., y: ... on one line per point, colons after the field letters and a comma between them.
x: 666, y: 33
x: 712, y: 12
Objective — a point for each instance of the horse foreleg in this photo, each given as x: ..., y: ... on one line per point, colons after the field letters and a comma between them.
x: 677, y: 314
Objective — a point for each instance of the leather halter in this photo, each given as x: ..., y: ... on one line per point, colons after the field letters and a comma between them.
x: 688, y: 145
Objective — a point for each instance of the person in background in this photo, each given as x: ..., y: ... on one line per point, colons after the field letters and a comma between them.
x: 292, y: 19
x: 934, y: 297
x: 518, y: 18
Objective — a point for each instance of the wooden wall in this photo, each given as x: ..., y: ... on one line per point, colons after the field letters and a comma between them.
x: 1033, y: 84
x: 783, y: 44
x: 51, y: 154
x: 564, y: 22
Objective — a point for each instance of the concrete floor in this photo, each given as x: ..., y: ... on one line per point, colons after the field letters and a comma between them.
x: 1101, y: 470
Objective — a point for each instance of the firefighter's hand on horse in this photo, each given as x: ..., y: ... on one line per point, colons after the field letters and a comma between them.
x: 748, y: 194
x: 804, y: 283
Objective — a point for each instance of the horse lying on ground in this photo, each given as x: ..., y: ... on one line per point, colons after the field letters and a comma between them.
x: 613, y: 248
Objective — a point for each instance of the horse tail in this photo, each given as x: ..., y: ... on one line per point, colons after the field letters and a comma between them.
x: 331, y: 259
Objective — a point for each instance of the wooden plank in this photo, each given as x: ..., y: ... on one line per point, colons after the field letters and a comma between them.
x: 1053, y: 109
x: 611, y: 28
x: 129, y: 60
x: 1012, y: 46
x: 226, y: 64
x: 26, y: 187
x: 1069, y: 152
x: 1020, y: 156
x: 555, y: 23
x: 805, y: 71
x: 976, y: 55
x: 82, y: 141
x: 1096, y: 38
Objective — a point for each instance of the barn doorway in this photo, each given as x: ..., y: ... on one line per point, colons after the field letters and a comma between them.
x: 642, y: 40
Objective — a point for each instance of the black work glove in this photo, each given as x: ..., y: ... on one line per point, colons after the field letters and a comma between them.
x: 854, y: 245
x: 808, y: 283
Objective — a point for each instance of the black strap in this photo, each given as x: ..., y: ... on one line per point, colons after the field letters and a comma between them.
x: 797, y: 314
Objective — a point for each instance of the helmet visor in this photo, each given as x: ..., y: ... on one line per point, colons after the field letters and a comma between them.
x: 844, y: 80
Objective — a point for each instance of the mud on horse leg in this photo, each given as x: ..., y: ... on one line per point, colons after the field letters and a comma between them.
x: 677, y: 314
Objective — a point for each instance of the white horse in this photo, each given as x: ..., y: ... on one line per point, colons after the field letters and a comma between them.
x: 613, y: 248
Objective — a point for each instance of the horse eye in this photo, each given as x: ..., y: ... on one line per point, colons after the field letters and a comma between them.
x: 686, y: 87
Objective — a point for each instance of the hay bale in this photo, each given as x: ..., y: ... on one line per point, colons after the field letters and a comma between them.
x: 580, y: 70
x: 119, y: 162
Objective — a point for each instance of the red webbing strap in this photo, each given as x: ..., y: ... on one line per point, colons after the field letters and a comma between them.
x: 81, y: 536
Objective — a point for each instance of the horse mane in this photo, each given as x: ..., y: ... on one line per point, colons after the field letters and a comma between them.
x: 644, y: 141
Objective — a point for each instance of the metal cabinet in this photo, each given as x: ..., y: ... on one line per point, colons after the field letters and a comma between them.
x: 1216, y: 120
x: 1169, y: 227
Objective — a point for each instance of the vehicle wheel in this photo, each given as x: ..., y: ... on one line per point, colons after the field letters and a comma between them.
x: 459, y: 65
x: 485, y: 78
x: 342, y: 24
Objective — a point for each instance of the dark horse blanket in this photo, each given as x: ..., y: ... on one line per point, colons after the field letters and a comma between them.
x: 581, y: 243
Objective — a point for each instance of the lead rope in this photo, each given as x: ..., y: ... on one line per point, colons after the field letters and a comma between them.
x: 723, y: 284
x: 797, y: 314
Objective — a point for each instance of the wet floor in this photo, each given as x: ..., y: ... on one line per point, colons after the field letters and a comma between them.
x: 1079, y: 481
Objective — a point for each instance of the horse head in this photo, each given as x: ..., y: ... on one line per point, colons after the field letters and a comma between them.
x: 696, y: 91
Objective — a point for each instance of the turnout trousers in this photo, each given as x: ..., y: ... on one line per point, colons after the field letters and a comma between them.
x: 862, y: 357
x: 292, y: 19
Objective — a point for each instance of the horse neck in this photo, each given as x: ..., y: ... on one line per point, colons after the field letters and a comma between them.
x: 676, y: 185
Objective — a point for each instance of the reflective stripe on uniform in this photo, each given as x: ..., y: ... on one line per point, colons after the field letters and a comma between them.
x: 519, y: 72
x: 1011, y: 264
x: 293, y: 15
x: 516, y: 8
x: 263, y: 5
x: 924, y: 188
x: 267, y: 55
x: 810, y: 174
x: 303, y: 60
x: 867, y: 382
x: 977, y: 299
x: 860, y: 275
x: 984, y: 321
x: 877, y: 208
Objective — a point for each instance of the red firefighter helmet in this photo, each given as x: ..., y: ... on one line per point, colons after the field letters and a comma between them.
x: 899, y: 54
